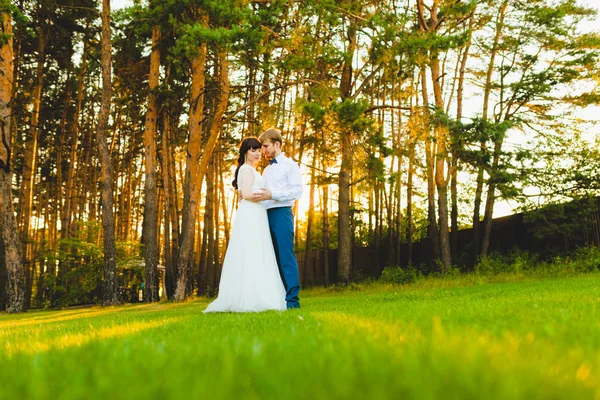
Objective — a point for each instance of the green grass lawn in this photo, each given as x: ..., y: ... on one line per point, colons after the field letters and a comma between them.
x: 520, y: 339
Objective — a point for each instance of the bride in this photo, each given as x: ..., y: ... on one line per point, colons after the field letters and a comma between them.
x: 250, y: 280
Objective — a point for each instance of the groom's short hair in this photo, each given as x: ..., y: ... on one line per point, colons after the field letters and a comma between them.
x: 272, y: 134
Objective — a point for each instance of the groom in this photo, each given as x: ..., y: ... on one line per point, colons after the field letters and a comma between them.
x: 283, y: 187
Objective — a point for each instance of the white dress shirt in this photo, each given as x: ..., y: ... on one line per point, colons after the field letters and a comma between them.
x: 284, y: 180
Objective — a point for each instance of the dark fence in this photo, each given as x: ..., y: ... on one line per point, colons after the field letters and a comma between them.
x: 547, y: 232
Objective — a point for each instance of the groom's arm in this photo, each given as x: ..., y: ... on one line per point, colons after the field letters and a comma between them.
x: 257, y: 196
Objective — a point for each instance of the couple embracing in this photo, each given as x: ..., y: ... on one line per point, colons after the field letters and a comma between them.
x: 260, y: 271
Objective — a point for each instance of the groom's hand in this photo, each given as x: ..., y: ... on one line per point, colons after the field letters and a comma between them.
x: 264, y: 194
x: 257, y: 196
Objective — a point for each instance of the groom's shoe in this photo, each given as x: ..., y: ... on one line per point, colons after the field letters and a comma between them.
x: 293, y: 305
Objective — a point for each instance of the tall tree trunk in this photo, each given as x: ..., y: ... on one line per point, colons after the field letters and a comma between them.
x: 432, y: 227
x: 442, y: 187
x: 216, y: 252
x: 67, y: 214
x: 197, y: 161
x: 309, y: 225
x: 477, y: 251
x: 226, y: 220
x: 409, y: 204
x: 489, y: 205
x: 491, y: 197
x: 31, y: 146
x: 61, y: 171
x: 477, y: 210
x: 175, y: 212
x: 110, y: 294
x: 344, y: 232
x: 441, y: 132
x: 150, y: 237
x: 209, y: 220
x: 455, y: 147
x: 325, y: 212
x: 169, y: 238
x: 203, y: 264
x: 9, y: 240
x: 344, y: 222
x: 441, y: 143
x: 397, y: 194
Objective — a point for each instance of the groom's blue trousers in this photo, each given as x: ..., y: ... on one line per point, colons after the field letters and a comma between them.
x: 281, y: 223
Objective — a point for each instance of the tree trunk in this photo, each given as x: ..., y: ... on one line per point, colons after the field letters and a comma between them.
x: 344, y: 231
x: 309, y: 228
x: 454, y: 207
x: 203, y: 264
x: 150, y: 237
x: 432, y: 227
x: 169, y: 239
x: 489, y: 206
x: 216, y: 253
x: 9, y: 240
x: 31, y: 146
x: 226, y: 220
x: 110, y: 294
x: 441, y: 132
x: 209, y: 211
x: 491, y: 197
x: 459, y: 112
x: 442, y: 187
x: 174, y: 210
x: 15, y: 279
x: 476, y: 212
x: 441, y: 143
x: 60, y: 170
x: 397, y: 194
x: 67, y: 215
x: 409, y: 204
x: 325, y: 212
x: 198, y: 156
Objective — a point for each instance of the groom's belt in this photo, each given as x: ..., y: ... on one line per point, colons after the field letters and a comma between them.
x: 276, y: 208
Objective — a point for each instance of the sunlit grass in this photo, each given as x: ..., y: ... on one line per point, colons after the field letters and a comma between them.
x: 458, y: 339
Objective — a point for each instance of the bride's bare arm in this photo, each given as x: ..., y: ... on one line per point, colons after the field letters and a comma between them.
x: 247, y: 180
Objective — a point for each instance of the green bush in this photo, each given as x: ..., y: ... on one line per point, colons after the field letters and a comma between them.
x: 588, y: 259
x: 516, y: 262
x: 399, y: 275
x: 342, y: 287
x: 582, y: 260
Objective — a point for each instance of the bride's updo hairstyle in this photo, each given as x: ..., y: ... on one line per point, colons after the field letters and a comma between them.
x: 247, y: 144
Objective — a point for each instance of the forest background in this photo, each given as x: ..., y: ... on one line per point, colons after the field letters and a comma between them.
x: 410, y: 119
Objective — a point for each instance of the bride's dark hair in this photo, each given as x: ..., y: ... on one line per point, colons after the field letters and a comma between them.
x: 247, y: 144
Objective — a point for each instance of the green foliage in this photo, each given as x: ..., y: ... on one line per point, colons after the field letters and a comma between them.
x: 514, y: 263
x: 79, y: 268
x: 583, y: 260
x: 317, y: 232
x: 351, y: 116
x: 561, y: 219
x: 78, y: 280
x: 8, y: 6
x: 345, y: 287
x: 399, y: 275
x: 314, y: 111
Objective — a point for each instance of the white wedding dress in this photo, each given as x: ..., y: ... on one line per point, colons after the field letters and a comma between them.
x: 250, y: 279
